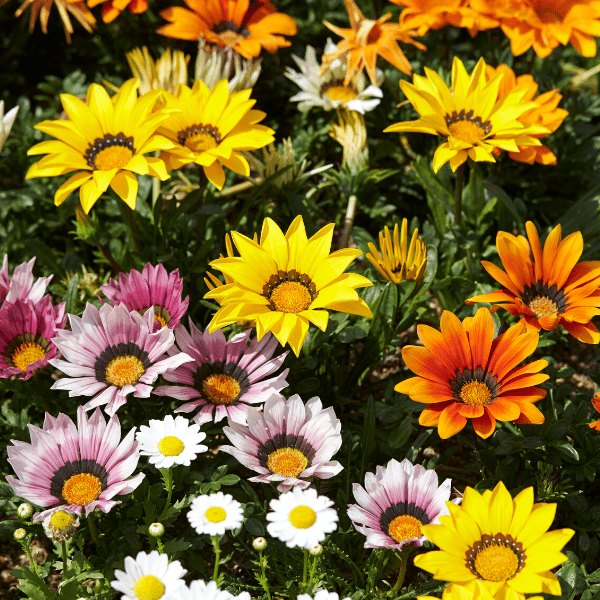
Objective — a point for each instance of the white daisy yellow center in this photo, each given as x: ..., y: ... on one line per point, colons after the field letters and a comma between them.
x: 475, y: 393
x: 171, y: 446
x: 405, y: 527
x: 61, y: 520
x: 291, y: 297
x: 124, y: 370
x: 26, y: 354
x: 303, y: 517
x: 496, y: 563
x: 149, y: 587
x: 215, y: 514
x: 81, y: 489
x: 221, y: 389
x: 541, y: 306
x: 288, y: 462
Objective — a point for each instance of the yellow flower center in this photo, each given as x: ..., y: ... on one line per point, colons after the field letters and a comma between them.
x: 114, y: 157
x: 162, y: 322
x: 170, y: 446
x: 81, y: 489
x: 341, y: 93
x: 110, y: 152
x: 496, y: 563
x: 467, y: 127
x: 302, y: 517
x: 288, y: 462
x: 61, y: 520
x: 200, y: 138
x: 475, y: 393
x: 215, y: 514
x: 541, y: 306
x: 405, y: 527
x: 291, y: 297
x: 124, y: 370
x: 148, y: 587
x: 221, y: 389
x: 26, y: 354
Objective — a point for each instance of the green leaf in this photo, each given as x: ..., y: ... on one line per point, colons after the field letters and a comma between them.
x: 384, y: 313
x: 254, y: 527
x: 37, y: 588
x: 367, y: 438
x: 229, y: 480
x: 71, y: 297
x: 400, y: 434
x: 173, y: 546
x: 567, y: 450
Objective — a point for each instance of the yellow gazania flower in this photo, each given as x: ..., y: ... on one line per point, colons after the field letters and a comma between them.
x: 470, y: 116
x: 165, y: 74
x: 209, y: 128
x: 394, y: 262
x: 213, y: 281
x: 499, y: 541
x: 104, y: 140
x: 455, y: 591
x: 286, y: 281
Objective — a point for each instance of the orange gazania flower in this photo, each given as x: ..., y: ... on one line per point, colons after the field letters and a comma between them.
x: 596, y: 403
x: 547, y: 113
x: 544, y: 24
x: 549, y: 288
x: 112, y: 9
x: 244, y: 25
x: 365, y: 40
x: 423, y: 15
x: 464, y: 373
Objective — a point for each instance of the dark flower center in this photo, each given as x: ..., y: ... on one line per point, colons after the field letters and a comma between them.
x: 496, y: 558
x: 476, y: 388
x: 543, y: 300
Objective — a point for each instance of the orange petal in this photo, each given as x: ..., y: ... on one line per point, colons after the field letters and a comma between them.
x: 504, y: 410
x: 450, y: 421
x: 485, y: 425
x: 430, y: 416
x: 470, y: 412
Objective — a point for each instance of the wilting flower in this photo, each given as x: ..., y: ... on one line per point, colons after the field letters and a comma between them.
x: 464, y: 373
x: 26, y: 334
x: 284, y: 281
x: 596, y: 404
x: 225, y: 377
x: 399, y: 499
x: 214, y: 514
x: 199, y: 590
x: 112, y: 9
x: 351, y: 134
x: 546, y: 113
x: 301, y: 518
x: 76, y: 467
x: 287, y: 441
x: 395, y: 263
x: 60, y: 524
x: 546, y: 288
x: 210, y: 127
x: 6, y: 122
x: 327, y: 89
x: 105, y: 140
x: 544, y: 24
x: 471, y: 117
x: 21, y: 286
x: 423, y: 15
x: 152, y: 288
x: 149, y: 576
x: 499, y: 541
x: 165, y: 74
x: 113, y: 352
x: 244, y: 25
x: 365, y: 40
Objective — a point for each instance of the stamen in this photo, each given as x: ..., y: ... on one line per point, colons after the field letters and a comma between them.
x: 81, y: 489
x: 336, y: 91
x: 467, y: 127
x: 221, y: 389
x: 199, y: 137
x: 27, y: 354
x: 541, y: 307
x: 290, y: 291
x: 288, y: 462
x: 149, y: 587
x: 215, y: 514
x: 110, y: 152
x: 496, y: 558
x: 61, y: 519
x: 475, y: 393
x: 302, y: 517
x: 124, y: 370
x: 171, y: 446
x: 405, y: 527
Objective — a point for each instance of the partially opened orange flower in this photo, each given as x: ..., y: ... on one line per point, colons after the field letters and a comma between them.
x: 547, y: 113
x: 596, y: 403
x: 464, y: 373
x: 244, y: 25
x: 365, y: 40
x: 423, y: 15
x: 112, y: 9
x: 546, y: 288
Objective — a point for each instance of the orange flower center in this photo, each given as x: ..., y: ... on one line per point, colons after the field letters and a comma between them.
x: 124, y: 370
x: 496, y: 563
x: 541, y: 306
x: 405, y: 527
x: 200, y: 138
x: 230, y: 34
x: 475, y: 393
x: 26, y: 354
x: 81, y: 489
x: 340, y: 93
x: 110, y: 152
x: 288, y: 462
x: 221, y: 389
x: 467, y: 127
x: 291, y: 297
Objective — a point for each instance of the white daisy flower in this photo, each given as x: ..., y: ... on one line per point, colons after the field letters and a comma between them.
x: 328, y: 90
x: 214, y: 514
x: 171, y: 441
x: 320, y: 595
x: 301, y: 518
x: 199, y: 590
x: 149, y: 577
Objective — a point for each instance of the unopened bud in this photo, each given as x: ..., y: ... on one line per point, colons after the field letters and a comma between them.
x: 25, y: 510
x: 316, y: 550
x: 19, y: 534
x: 259, y: 543
x: 156, y: 529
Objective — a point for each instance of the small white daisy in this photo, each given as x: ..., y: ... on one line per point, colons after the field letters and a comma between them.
x: 214, y: 514
x: 149, y: 577
x: 60, y: 524
x: 320, y: 595
x: 301, y: 518
x: 171, y: 441
x: 199, y: 590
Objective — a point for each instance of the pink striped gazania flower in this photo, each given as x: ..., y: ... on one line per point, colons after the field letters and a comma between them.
x: 77, y: 467
x: 287, y: 441
x: 226, y: 376
x: 21, y: 286
x: 398, y: 499
x: 26, y: 331
x: 113, y: 352
x: 153, y: 287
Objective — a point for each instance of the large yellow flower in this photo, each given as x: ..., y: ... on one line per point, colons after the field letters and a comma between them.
x: 104, y: 140
x: 210, y: 127
x: 454, y: 591
x: 286, y: 282
x: 470, y: 116
x: 499, y: 541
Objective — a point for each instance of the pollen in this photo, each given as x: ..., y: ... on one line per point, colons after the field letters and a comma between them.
x: 467, y: 131
x: 171, y: 446
x: 124, y: 370
x: 81, y: 489
x: 541, y: 307
x: 149, y: 587
x: 215, y: 514
x: 340, y: 93
x: 61, y: 520
x: 200, y: 138
x: 221, y: 389
x: 302, y: 517
x: 27, y: 354
x: 496, y: 563
x: 114, y: 157
x: 288, y: 462
x: 405, y: 527
x: 291, y: 297
x: 475, y: 393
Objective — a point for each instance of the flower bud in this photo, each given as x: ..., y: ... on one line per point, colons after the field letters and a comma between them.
x: 19, y: 534
x: 25, y: 510
x: 259, y: 543
x: 316, y: 550
x: 156, y: 529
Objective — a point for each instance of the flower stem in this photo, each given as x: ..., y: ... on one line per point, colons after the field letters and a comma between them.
x: 403, y: 556
x: 116, y: 267
x: 263, y: 568
x: 168, y: 478
x: 131, y: 224
x: 92, y: 526
x: 348, y: 221
x: 25, y: 544
x: 65, y: 569
x: 217, y: 550
x: 305, y: 570
x: 458, y: 187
